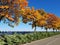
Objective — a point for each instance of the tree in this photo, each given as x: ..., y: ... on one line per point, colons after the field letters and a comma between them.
x: 52, y: 21
x: 10, y: 10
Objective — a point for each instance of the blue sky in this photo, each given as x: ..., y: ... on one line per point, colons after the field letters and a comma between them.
x: 50, y: 6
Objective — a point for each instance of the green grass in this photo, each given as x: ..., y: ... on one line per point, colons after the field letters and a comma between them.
x: 17, y: 39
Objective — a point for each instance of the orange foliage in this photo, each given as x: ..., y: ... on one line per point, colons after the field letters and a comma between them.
x: 14, y: 9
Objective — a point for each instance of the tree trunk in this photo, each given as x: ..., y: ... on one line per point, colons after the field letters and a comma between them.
x: 56, y: 30
x: 46, y: 30
x: 35, y: 29
x: 53, y: 30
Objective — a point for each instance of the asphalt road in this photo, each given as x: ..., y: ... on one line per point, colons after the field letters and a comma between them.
x: 55, y: 40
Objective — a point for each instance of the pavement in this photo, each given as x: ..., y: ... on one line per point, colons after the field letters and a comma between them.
x: 54, y: 40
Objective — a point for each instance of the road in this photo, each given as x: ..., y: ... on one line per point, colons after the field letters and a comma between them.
x: 55, y: 40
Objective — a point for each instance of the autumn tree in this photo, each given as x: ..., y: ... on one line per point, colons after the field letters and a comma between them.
x: 10, y: 10
x: 52, y: 21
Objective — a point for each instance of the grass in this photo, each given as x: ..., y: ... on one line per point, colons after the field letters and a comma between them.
x: 17, y: 39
